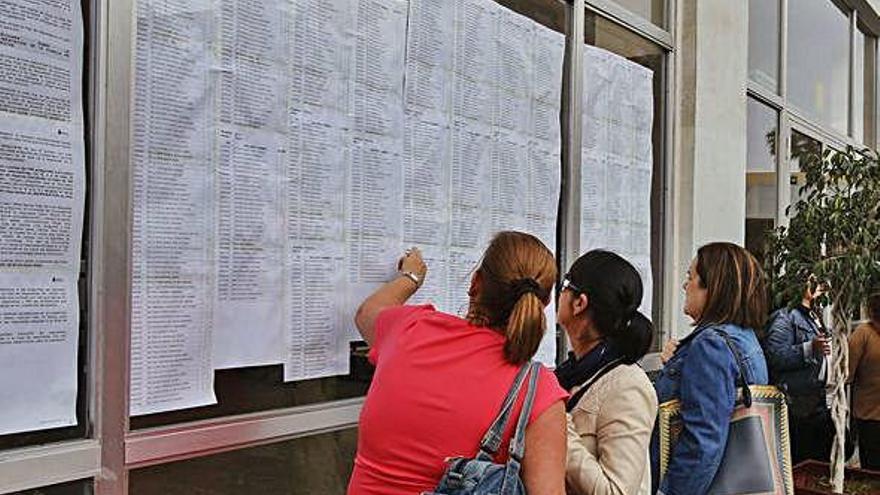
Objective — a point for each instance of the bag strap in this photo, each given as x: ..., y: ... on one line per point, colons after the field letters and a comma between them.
x: 518, y: 443
x: 492, y: 438
x: 576, y: 397
x: 746, y: 391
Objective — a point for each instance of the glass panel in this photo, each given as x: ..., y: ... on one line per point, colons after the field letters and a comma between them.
x: 652, y: 10
x: 84, y: 487
x: 802, y: 148
x: 764, y: 43
x: 81, y: 429
x: 859, y: 95
x: 610, y: 36
x: 761, y: 190
x: 548, y: 13
x: 818, y: 65
x: 318, y: 464
x: 870, y: 81
x: 244, y: 390
x: 761, y: 128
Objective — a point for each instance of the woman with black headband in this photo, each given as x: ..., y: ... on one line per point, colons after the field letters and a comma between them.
x: 613, y: 404
x: 441, y: 379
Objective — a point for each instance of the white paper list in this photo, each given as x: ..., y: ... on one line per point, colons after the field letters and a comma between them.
x: 248, y: 152
x: 617, y: 162
x: 42, y: 198
x: 315, y: 347
x: 173, y: 198
x: 374, y: 222
x: 321, y: 47
x: 482, y: 140
x: 39, y: 318
x: 248, y: 250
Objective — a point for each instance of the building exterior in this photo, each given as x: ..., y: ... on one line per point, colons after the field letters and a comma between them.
x: 741, y: 91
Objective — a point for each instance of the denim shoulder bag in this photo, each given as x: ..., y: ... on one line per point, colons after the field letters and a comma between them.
x: 481, y: 475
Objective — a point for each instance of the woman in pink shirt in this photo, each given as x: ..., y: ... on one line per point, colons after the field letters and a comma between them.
x: 440, y: 379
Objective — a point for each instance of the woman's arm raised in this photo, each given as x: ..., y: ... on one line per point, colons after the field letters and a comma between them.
x: 412, y: 271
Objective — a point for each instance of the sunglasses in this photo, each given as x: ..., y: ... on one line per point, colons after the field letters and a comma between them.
x: 567, y: 284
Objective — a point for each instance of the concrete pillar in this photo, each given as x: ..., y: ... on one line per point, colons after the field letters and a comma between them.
x: 709, y: 173
x: 719, y: 184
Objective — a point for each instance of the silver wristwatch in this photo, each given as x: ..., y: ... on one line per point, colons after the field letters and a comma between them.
x: 412, y: 276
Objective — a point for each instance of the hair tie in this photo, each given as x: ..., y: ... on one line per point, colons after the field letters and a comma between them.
x: 632, y: 316
x: 523, y: 286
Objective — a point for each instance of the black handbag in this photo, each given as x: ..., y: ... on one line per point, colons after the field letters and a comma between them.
x: 756, y: 459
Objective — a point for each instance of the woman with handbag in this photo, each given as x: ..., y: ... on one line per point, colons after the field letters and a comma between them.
x: 440, y: 380
x: 613, y: 404
x: 726, y: 297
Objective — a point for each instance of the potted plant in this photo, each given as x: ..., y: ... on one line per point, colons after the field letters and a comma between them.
x: 833, y: 234
x: 811, y: 478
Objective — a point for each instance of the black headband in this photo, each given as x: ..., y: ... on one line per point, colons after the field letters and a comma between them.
x: 523, y: 286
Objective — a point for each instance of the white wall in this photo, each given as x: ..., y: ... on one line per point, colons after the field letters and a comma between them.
x: 720, y: 121
x: 709, y: 188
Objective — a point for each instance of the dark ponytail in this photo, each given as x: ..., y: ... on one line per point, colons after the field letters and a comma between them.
x: 634, y: 341
x: 614, y: 290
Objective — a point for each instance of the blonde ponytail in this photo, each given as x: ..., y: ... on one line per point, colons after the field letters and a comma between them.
x: 525, y: 329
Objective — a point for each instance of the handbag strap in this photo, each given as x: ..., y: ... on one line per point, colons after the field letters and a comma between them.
x: 746, y: 391
x: 492, y: 439
x: 518, y: 444
x: 576, y: 397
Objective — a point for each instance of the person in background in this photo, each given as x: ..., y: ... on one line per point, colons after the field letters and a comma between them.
x: 440, y: 379
x: 864, y: 372
x: 725, y: 291
x: 613, y: 406
x: 797, y: 348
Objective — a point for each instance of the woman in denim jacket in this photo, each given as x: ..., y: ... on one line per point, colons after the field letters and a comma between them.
x: 725, y: 292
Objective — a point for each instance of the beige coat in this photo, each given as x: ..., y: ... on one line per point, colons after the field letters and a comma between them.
x: 609, y: 434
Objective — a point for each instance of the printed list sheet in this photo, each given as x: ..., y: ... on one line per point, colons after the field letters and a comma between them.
x: 42, y: 195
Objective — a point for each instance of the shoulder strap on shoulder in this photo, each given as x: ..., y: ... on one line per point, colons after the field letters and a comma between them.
x: 747, y: 392
x: 518, y: 442
x: 576, y: 397
x: 492, y: 438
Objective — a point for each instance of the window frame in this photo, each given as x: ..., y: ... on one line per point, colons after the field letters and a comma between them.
x: 861, y: 18
x: 572, y: 139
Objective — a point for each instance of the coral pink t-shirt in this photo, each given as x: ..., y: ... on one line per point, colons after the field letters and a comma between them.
x: 439, y: 384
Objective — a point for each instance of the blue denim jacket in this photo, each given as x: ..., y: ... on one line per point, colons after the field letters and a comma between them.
x: 792, y: 366
x: 703, y: 374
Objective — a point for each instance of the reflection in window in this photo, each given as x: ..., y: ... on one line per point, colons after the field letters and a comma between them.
x: 319, y: 464
x: 818, y: 61
x: 761, y: 190
x: 803, y: 148
x: 859, y: 91
x: 652, y: 10
x: 764, y: 43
